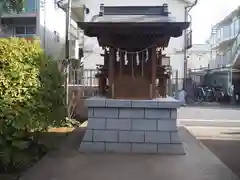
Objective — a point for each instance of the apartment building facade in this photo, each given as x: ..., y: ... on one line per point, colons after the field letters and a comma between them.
x: 225, y: 40
x: 199, y: 56
x: 176, y: 46
x: 45, y: 20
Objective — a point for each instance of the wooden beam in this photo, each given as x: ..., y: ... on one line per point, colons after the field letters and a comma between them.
x: 153, y: 67
x: 111, y: 72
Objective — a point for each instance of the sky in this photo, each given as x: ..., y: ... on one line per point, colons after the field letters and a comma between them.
x: 206, y: 14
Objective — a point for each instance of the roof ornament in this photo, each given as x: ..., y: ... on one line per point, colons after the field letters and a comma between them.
x: 147, y: 55
x: 101, y: 13
x: 118, y: 55
x: 137, y: 59
x: 125, y: 58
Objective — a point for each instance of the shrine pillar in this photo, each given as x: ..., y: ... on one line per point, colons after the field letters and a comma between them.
x: 154, y: 72
x: 112, y: 54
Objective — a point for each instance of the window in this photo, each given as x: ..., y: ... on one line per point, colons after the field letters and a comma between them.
x: 218, y: 36
x: 30, y: 30
x: 56, y: 36
x: 237, y: 26
x: 20, y: 30
x: 226, y: 31
x: 232, y: 29
x: 30, y: 5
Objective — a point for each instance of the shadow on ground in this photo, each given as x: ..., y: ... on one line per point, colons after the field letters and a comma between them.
x: 227, y: 151
x: 56, y: 139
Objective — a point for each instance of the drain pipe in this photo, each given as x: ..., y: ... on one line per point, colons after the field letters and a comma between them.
x: 187, y: 10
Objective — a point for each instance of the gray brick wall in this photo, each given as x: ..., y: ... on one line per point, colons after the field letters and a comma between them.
x: 131, y: 113
x: 97, y: 123
x: 157, y: 137
x: 144, y: 125
x: 140, y: 126
x: 105, y: 136
x: 118, y: 147
x: 118, y: 124
x: 131, y: 136
x: 144, y: 148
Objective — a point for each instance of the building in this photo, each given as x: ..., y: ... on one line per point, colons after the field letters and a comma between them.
x: 176, y: 46
x: 199, y: 56
x: 225, y: 40
x: 46, y: 20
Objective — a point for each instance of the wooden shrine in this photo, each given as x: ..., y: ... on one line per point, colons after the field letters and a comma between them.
x: 133, y: 51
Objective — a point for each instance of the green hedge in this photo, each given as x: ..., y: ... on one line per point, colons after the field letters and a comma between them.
x: 31, y: 98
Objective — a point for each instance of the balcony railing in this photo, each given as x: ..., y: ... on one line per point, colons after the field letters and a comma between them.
x: 27, y: 36
x: 236, y: 48
x: 231, y: 57
x: 29, y: 6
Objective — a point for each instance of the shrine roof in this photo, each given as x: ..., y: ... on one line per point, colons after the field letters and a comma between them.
x: 133, y: 20
x: 144, y: 27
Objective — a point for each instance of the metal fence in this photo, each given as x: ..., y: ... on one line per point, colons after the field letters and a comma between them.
x: 83, y: 77
x: 85, y: 80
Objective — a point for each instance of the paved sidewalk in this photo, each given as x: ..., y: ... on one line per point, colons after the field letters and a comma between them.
x: 198, y: 164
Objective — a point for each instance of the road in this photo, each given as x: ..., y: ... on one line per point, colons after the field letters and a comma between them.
x: 209, y: 116
x: 218, y: 128
x: 211, y: 122
x: 218, y: 113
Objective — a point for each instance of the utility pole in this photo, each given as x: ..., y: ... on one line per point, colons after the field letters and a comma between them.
x: 67, y: 54
x: 186, y: 13
x: 185, y: 45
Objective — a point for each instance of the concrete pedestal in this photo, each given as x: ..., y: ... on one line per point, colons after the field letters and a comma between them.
x: 137, y: 126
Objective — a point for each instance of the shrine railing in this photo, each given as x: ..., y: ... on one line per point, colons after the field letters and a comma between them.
x: 85, y: 80
x: 83, y: 77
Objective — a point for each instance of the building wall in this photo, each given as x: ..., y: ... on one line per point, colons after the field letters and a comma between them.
x: 226, y: 31
x: 225, y: 39
x: 51, y: 28
x: 15, y: 24
x: 50, y: 25
x: 199, y: 56
x: 176, y: 7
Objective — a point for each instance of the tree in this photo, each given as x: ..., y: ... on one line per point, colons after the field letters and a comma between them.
x: 9, y: 6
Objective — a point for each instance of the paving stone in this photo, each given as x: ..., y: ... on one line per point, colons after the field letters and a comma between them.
x: 144, y: 125
x: 144, y: 148
x: 105, y: 136
x: 118, y: 147
x: 157, y: 137
x: 118, y: 124
x: 131, y: 113
x: 131, y: 136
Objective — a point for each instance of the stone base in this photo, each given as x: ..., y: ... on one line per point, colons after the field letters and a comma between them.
x: 138, y: 126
